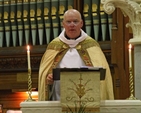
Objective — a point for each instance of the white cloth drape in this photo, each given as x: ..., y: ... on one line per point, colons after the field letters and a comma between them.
x: 13, y: 111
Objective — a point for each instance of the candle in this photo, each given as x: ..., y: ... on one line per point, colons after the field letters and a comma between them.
x: 28, y: 57
x: 130, y: 56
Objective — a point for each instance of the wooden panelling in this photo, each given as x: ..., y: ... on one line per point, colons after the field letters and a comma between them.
x: 9, y: 81
x: 15, y: 58
x: 119, y: 56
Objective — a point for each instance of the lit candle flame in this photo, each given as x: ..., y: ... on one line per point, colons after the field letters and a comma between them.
x: 28, y: 47
x: 130, y: 46
x: 28, y: 56
x: 130, y: 56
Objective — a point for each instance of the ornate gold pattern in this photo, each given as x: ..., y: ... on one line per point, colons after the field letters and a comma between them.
x: 6, y: 2
x: 26, y: 0
x: 13, y: 1
x: 5, y: 17
x: 82, y: 90
x: 131, y: 85
x: 101, y: 9
x: 14, y: 63
x: 19, y: 16
x: 58, y: 45
x: 32, y: 14
x: 85, y: 12
x: 19, y: 1
x: 81, y: 48
x: 25, y: 13
x: 29, y: 86
x: 39, y: 12
x: 12, y: 16
x: 61, y: 11
x: 84, y: 54
x: 94, y: 9
x: 53, y: 12
x: 79, y: 88
x: 46, y: 11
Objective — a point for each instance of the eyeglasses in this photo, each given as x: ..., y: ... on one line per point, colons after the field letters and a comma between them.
x: 69, y: 23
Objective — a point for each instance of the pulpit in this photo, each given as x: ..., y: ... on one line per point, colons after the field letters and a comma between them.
x: 79, y: 88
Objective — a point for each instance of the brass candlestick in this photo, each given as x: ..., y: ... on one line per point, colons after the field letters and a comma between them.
x: 29, y: 86
x: 131, y: 85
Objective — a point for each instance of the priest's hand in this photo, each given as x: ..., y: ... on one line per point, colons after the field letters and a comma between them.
x: 49, y: 79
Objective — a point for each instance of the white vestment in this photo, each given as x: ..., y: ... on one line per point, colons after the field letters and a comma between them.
x: 71, y: 60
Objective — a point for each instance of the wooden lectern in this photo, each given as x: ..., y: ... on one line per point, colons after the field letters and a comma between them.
x: 79, y: 88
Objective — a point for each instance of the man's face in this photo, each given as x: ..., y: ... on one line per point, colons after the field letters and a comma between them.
x: 72, y: 24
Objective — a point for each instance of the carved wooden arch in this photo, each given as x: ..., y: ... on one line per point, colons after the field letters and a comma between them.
x: 130, y: 8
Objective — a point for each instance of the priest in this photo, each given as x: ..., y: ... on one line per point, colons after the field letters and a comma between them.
x: 73, y: 48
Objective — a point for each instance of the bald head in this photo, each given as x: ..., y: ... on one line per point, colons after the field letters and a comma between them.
x: 72, y: 12
x: 72, y: 23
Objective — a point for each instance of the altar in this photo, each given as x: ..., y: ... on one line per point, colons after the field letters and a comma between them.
x: 106, y: 106
x: 132, y: 9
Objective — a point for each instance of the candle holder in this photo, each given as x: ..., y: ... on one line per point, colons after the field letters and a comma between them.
x: 131, y: 85
x: 29, y: 86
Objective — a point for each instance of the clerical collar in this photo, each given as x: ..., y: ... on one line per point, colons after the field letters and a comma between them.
x: 72, y: 38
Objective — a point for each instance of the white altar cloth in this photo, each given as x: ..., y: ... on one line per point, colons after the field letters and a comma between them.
x: 107, y: 106
x: 13, y: 111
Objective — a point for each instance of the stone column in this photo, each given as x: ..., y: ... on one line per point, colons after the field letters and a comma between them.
x: 137, y: 62
x: 132, y: 9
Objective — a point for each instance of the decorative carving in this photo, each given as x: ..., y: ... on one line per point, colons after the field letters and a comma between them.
x: 18, y: 63
x: 130, y: 8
